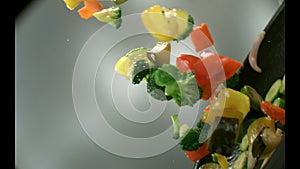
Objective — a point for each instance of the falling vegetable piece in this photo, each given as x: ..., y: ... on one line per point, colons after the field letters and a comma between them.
x: 176, y: 126
x: 122, y: 66
x: 167, y: 24
x: 197, y: 154
x: 89, y: 8
x: 111, y: 15
x: 161, y: 52
x: 186, y: 62
x: 201, y: 37
x: 209, y: 71
x: 254, y: 52
x: 72, y: 4
x: 125, y: 65
x: 276, y: 113
x: 212, y: 70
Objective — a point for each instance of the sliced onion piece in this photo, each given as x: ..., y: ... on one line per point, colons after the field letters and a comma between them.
x: 254, y: 51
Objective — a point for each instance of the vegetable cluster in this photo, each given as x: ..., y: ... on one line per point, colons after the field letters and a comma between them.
x: 111, y: 15
x: 225, y: 127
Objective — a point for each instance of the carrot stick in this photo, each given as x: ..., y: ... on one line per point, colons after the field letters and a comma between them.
x: 90, y: 7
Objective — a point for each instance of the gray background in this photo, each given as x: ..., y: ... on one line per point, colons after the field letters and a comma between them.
x: 48, y: 41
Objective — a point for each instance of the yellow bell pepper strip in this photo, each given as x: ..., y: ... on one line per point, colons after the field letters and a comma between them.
x: 257, y: 126
x: 72, y: 4
x: 229, y: 98
x: 222, y: 160
x: 167, y: 24
x: 122, y: 66
x: 89, y: 8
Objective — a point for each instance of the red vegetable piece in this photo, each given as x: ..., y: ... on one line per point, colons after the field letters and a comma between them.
x: 230, y: 66
x: 276, y: 113
x: 90, y: 7
x: 201, y: 37
x: 185, y: 62
x: 209, y: 71
x: 197, y: 154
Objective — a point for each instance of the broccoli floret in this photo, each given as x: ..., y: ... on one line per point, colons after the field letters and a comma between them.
x: 140, y: 71
x: 204, y: 128
x: 157, y: 92
x: 111, y: 15
x: 166, y: 75
x: 189, y: 90
x: 190, y: 141
x: 188, y: 30
x: 233, y: 80
x: 181, y: 86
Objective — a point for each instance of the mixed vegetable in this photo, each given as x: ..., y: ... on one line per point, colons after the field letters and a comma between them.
x: 228, y: 135
x: 167, y: 24
x: 111, y: 15
x: 240, y: 138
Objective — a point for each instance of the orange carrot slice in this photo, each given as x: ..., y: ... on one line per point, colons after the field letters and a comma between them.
x: 90, y: 7
x: 201, y: 37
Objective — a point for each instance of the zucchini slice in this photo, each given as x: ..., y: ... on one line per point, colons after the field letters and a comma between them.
x: 273, y: 91
x: 282, y: 87
x: 279, y: 102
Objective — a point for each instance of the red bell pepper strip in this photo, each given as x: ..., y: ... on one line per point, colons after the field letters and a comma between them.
x: 197, y: 154
x: 186, y: 62
x: 209, y: 71
x: 90, y: 7
x: 201, y: 37
x: 276, y: 113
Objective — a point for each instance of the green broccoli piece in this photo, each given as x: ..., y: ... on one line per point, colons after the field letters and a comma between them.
x: 190, y: 141
x: 157, y: 92
x: 141, y: 70
x: 204, y: 128
x: 111, y: 15
x: 188, y: 29
x: 233, y: 80
x: 189, y: 90
x: 176, y: 126
x: 181, y: 86
x: 166, y: 75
